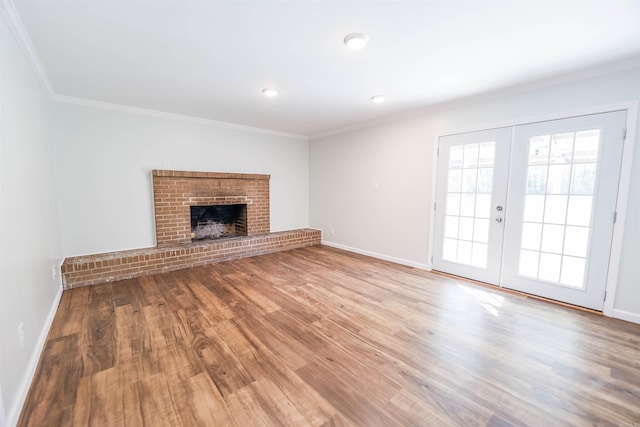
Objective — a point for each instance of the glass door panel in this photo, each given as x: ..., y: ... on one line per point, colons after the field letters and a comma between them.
x: 562, y: 200
x: 470, y: 188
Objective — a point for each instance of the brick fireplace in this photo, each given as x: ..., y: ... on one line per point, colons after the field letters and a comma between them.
x: 174, y: 192
x: 177, y: 246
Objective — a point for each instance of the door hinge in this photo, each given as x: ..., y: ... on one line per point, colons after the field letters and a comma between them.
x: 605, y: 296
x: 615, y: 217
x: 431, y: 259
x: 624, y: 136
x: 434, y: 206
x: 438, y: 152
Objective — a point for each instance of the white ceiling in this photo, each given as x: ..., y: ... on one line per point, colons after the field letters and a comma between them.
x: 210, y: 59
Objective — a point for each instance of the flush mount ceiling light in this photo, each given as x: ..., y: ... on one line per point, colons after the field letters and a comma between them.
x: 269, y: 92
x: 377, y: 99
x: 356, y: 41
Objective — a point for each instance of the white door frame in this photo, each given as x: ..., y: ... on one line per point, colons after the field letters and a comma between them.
x: 624, y: 184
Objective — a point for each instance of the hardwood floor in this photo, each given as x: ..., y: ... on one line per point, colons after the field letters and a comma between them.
x: 322, y: 337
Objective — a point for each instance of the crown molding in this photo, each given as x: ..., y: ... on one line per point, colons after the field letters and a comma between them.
x: 172, y: 116
x: 12, y: 18
x: 618, y: 66
x: 10, y: 14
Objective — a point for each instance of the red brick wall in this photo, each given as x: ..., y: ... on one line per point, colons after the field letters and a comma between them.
x: 174, y: 192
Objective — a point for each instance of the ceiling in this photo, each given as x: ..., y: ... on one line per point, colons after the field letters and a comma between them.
x: 211, y: 59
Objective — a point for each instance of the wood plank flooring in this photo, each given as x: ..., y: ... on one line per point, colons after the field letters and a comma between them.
x: 322, y: 337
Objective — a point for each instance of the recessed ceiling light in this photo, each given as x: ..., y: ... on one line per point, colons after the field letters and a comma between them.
x: 270, y: 92
x: 377, y: 99
x: 356, y: 41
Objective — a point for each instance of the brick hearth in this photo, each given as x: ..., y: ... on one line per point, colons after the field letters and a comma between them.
x: 108, y: 267
x: 174, y: 193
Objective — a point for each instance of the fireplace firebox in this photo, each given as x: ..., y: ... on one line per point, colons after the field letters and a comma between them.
x: 218, y: 221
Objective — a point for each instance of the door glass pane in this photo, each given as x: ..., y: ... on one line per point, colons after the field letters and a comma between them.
x: 479, y: 254
x: 449, y: 248
x: 487, y: 154
x: 556, y: 225
x: 579, y: 210
x: 467, y: 204
x: 555, y: 209
x: 466, y: 228
x: 453, y: 204
x: 583, y: 180
x: 481, y: 230
x: 558, y: 181
x: 552, y: 238
x: 536, y: 179
x: 529, y: 263
x: 572, y: 271
x: 485, y: 180
x: 549, y: 268
x: 587, y: 143
x: 469, y: 179
x: 483, y: 205
x: 576, y: 241
x: 455, y: 180
x: 471, y: 156
x: 455, y: 157
x: 539, y: 150
x: 533, y: 208
x: 561, y: 148
x: 469, y: 186
x: 464, y: 252
x: 451, y: 226
x: 531, y: 233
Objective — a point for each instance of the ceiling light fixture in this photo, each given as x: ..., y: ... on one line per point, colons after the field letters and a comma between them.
x: 270, y: 92
x: 356, y: 41
x: 377, y: 99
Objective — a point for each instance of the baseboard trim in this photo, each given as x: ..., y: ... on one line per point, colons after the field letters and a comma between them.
x: 377, y: 255
x: 626, y: 315
x: 27, y: 379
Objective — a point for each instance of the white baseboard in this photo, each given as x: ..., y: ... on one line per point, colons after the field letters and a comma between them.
x: 377, y: 255
x: 27, y: 378
x: 626, y: 315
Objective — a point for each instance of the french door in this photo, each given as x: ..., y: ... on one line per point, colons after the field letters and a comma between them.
x: 531, y: 207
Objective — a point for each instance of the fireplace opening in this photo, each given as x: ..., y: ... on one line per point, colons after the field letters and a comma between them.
x: 218, y: 221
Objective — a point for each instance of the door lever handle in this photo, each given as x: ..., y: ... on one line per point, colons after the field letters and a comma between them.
x: 498, y: 219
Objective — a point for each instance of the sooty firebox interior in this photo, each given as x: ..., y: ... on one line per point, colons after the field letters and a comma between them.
x: 216, y: 222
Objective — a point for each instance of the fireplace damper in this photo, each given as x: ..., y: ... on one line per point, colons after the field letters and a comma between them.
x: 218, y: 221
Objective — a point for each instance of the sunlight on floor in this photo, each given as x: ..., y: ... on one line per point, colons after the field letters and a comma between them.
x: 491, y: 302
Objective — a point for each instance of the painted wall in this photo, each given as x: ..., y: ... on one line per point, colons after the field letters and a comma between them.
x: 104, y: 160
x: 372, y: 187
x: 29, y: 241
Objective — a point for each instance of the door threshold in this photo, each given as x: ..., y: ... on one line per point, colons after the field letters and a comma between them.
x: 519, y: 293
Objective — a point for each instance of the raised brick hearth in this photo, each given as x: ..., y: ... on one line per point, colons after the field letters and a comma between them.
x: 174, y: 193
x: 108, y: 267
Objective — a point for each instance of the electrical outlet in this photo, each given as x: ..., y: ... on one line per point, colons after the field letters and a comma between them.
x: 21, y: 334
x: 54, y: 272
x: 332, y: 230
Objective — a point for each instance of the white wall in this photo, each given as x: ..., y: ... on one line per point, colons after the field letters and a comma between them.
x: 393, y: 221
x: 104, y: 160
x: 29, y: 241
